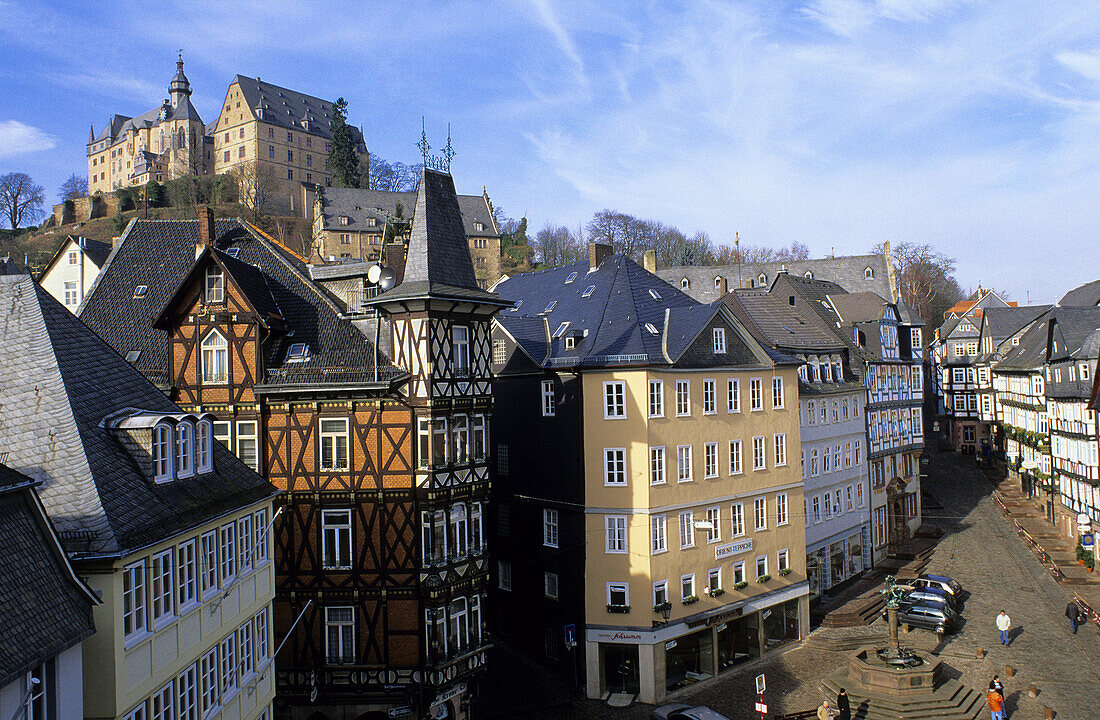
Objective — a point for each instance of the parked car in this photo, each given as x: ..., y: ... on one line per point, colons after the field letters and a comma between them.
x: 683, y: 711
x: 932, y: 594
x: 941, y: 581
x: 940, y: 619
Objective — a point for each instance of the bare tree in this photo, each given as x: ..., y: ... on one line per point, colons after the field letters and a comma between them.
x: 188, y: 166
x: 925, y: 280
x: 20, y: 199
x: 296, y: 234
x: 391, y: 176
x: 73, y: 188
x: 556, y: 245
x: 255, y: 188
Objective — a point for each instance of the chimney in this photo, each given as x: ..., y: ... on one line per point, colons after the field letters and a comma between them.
x: 649, y: 261
x: 206, y: 230
x: 723, y: 286
x: 393, y: 256
x: 596, y: 254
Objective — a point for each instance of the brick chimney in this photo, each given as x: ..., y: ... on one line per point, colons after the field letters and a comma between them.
x: 206, y: 228
x: 596, y: 254
x: 723, y: 287
x: 649, y: 261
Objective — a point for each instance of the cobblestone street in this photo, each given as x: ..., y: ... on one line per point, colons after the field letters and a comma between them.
x: 979, y: 549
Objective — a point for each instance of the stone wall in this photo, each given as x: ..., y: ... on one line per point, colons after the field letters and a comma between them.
x: 85, y: 208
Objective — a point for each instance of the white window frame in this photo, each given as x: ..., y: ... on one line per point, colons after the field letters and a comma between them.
x: 657, y: 475
x: 780, y: 444
x: 718, y: 338
x: 209, y: 563
x: 204, y: 447
x: 244, y: 543
x: 550, y: 528
x: 781, y: 514
x: 683, y: 398
x: 345, y: 650
x: 737, y: 457
x: 684, y: 469
x: 714, y: 579
x: 548, y: 405
x: 247, y: 432
x: 656, y: 398
x: 164, y: 452
x: 756, y: 394
x: 687, y: 529
x: 185, y: 449
x: 759, y: 514
x: 759, y: 453
x: 687, y: 586
x: 163, y: 702
x: 615, y: 586
x: 460, y: 350
x: 615, y: 534
x: 710, y: 397
x: 214, y: 289
x: 337, y: 545
x: 331, y: 432
x: 614, y: 400
x: 187, y: 697
x: 737, y: 519
x: 738, y: 572
x: 733, y: 395
x: 660, y: 593
x: 227, y: 541
x: 714, y: 517
x: 210, y: 690
x: 658, y: 534
x: 163, y: 589
x: 761, y: 565
x: 187, y: 575
x: 215, y: 359
x: 783, y: 559
x: 135, y: 601
x: 614, y: 467
x: 778, y: 399
x: 710, y: 460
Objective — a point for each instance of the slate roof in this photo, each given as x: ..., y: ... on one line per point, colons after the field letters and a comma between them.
x: 55, y: 401
x: 160, y: 253
x: 291, y: 109
x: 119, y: 125
x: 359, y: 204
x: 858, y: 307
x: 779, y: 324
x: 44, y: 608
x: 1083, y: 296
x: 1004, y: 322
x: 1030, y: 354
x: 847, y: 271
x: 438, y: 261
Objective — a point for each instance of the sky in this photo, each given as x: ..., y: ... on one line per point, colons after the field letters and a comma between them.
x: 970, y: 126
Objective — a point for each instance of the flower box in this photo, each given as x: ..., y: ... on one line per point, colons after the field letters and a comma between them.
x: 618, y: 608
x: 691, y: 599
x: 785, y: 571
x: 763, y: 579
x: 740, y: 585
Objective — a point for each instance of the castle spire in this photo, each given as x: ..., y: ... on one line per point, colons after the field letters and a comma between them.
x: 179, y: 88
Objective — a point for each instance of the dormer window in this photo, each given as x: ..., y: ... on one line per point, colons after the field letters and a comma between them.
x: 140, y: 290
x: 571, y: 278
x: 717, y: 281
x: 215, y: 285
x: 809, y: 275
x: 343, y: 219
x: 371, y: 222
x: 480, y: 227
x: 762, y: 279
x: 298, y: 352
x: 215, y: 358
x: 868, y: 272
x: 162, y: 452
x: 684, y: 283
x: 185, y: 450
x: 204, y: 447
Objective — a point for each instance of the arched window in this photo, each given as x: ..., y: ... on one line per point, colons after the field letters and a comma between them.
x: 763, y: 279
x: 181, y: 139
x: 215, y: 358
x: 717, y: 281
x: 684, y: 283
x: 204, y: 447
x: 809, y: 275
x: 868, y: 272
x: 215, y: 284
x: 162, y: 452
x: 185, y: 449
x: 458, y: 631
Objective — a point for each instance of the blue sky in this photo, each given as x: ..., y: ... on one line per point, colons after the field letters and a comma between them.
x: 839, y: 124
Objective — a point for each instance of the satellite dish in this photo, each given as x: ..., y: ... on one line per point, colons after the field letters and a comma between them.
x: 373, y: 273
x: 387, y: 279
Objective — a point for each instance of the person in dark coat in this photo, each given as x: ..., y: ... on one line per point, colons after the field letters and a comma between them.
x: 1074, y: 614
x: 995, y: 685
x: 843, y: 706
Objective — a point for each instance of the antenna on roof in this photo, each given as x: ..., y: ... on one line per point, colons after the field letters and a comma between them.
x: 737, y: 251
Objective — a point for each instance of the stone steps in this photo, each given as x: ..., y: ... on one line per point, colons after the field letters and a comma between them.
x: 843, y: 642
x: 951, y: 701
x: 861, y: 610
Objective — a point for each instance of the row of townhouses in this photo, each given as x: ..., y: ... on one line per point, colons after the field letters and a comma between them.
x: 330, y: 485
x: 1019, y: 383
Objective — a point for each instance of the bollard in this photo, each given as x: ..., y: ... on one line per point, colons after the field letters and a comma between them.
x: 1048, y: 713
x: 1032, y: 690
x: 981, y: 653
x: 1009, y: 671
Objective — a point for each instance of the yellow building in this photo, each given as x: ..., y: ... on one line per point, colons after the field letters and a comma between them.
x: 276, y: 139
x: 656, y: 448
x: 164, y: 143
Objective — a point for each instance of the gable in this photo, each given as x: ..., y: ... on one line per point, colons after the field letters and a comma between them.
x: 741, y: 348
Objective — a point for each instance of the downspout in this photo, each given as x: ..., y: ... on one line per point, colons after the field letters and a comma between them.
x: 664, y: 337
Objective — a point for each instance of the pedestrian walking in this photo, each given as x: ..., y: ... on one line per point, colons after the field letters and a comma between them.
x: 1004, y: 622
x: 843, y: 707
x: 1074, y: 614
x: 825, y: 712
x: 996, y: 686
x: 996, y: 706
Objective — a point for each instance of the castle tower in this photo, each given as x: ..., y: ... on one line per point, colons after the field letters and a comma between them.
x: 179, y: 88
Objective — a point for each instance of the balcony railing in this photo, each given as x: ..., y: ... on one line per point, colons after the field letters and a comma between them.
x: 331, y: 375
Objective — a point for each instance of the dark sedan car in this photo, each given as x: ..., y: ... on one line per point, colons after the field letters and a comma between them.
x: 934, y: 595
x: 940, y: 619
x: 940, y: 581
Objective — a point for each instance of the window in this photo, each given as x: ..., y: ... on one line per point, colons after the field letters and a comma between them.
x: 733, y: 395
x: 246, y: 665
x: 615, y: 533
x: 244, y: 543
x: 221, y: 434
x: 783, y: 560
x: 185, y: 448
x: 761, y: 565
x: 656, y: 398
x: 548, y: 398
x: 460, y: 439
x: 588, y: 291
x: 71, y: 294
x: 271, y: 152
x: 827, y: 501
x: 687, y: 529
x: 163, y: 587
x: 460, y: 350
x: 737, y: 519
x: 683, y: 398
x: 188, y: 687
x: 204, y: 450
x: 683, y: 463
x: 859, y: 443
x: 848, y: 498
x: 614, y: 466
x: 247, y: 447
x: 209, y: 562
x: 500, y: 353
x: 187, y: 574
x: 336, y: 539
x: 777, y: 393
x: 758, y: 461
x: 504, y: 574
x: 618, y: 594
x: 656, y: 466
x: 687, y: 586
x: 738, y: 572
x: 719, y: 338
x: 714, y: 518
x: 817, y: 509
x: 714, y: 580
x: 215, y: 358
x: 208, y: 673
x: 340, y: 635
x: 658, y: 525
x: 614, y: 400
x: 228, y: 553
x: 550, y: 528
x: 162, y: 452
x: 814, y: 471
x: 756, y: 398
x: 481, y: 438
x: 710, y: 460
x: 660, y: 593
x: 760, y: 513
x: 133, y: 600
x: 735, y: 457
x: 261, y: 635
x: 859, y: 495
x: 215, y: 285
x: 560, y: 329
x: 550, y: 585
x: 780, y: 449
x: 259, y: 542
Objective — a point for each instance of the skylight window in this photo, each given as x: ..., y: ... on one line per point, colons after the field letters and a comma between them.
x: 140, y: 290
x: 132, y: 356
x: 651, y: 328
x: 561, y: 329
x: 233, y: 252
x: 550, y: 306
x: 588, y: 291
x: 571, y: 278
x: 654, y: 294
x: 517, y: 306
x: 298, y: 352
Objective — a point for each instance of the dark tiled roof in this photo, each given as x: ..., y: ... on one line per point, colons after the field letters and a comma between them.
x: 858, y: 307
x: 44, y: 609
x: 847, y: 271
x: 779, y: 324
x: 1030, y: 354
x: 55, y: 401
x: 358, y: 205
x: 291, y: 109
x: 96, y: 251
x: 1004, y: 322
x: 1083, y: 296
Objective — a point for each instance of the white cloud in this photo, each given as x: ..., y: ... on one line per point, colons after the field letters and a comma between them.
x: 1086, y: 64
x: 19, y: 139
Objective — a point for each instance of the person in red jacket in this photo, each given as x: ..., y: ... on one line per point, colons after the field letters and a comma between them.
x: 996, y: 706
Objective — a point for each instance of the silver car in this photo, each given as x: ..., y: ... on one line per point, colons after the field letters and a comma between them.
x: 683, y: 711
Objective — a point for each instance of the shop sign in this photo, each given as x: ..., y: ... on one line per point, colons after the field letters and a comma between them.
x: 1086, y: 540
x: 723, y: 626
x: 617, y: 635
x: 766, y: 614
x: 720, y: 618
x: 570, y: 636
x: 446, y: 695
x: 761, y: 708
x: 670, y: 644
x: 725, y: 551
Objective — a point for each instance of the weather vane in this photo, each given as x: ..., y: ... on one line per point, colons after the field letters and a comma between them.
x: 448, y: 152
x: 435, y: 162
x: 425, y: 148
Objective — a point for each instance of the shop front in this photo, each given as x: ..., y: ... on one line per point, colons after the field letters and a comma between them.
x: 655, y: 662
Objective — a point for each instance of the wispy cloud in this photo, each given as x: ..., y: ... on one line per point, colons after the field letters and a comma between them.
x: 562, y: 38
x: 17, y: 138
